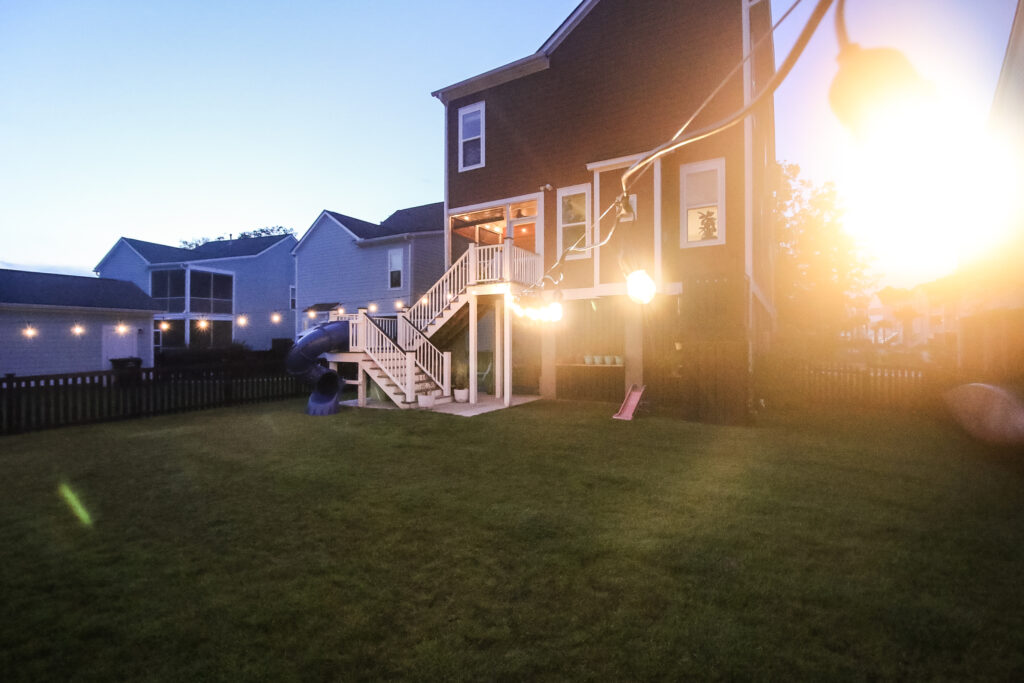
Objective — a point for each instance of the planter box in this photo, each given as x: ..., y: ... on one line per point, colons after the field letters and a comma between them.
x: 460, y: 395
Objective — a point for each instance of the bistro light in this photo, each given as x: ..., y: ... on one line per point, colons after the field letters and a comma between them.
x: 122, y: 329
x: 275, y: 318
x: 29, y: 332
x: 202, y: 323
x: 164, y: 326
x: 640, y: 287
x: 77, y: 330
x: 424, y: 301
x: 535, y: 307
x: 243, y: 321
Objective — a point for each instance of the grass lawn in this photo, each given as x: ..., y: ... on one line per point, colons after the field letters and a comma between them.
x: 542, y: 542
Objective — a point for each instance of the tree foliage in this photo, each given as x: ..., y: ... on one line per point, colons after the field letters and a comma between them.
x: 821, y: 278
x: 258, y: 232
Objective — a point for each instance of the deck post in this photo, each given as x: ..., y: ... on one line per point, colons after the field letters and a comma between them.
x: 506, y: 260
x: 360, y: 331
x: 471, y: 261
x: 446, y: 374
x: 473, y: 345
x: 361, y: 388
x: 506, y: 326
x: 496, y: 359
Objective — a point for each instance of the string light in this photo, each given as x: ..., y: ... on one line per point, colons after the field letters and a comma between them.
x: 640, y: 287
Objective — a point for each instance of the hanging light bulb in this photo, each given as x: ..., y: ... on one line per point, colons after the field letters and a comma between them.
x: 640, y: 287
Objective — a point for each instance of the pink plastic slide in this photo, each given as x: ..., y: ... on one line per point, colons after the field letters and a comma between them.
x: 631, y: 402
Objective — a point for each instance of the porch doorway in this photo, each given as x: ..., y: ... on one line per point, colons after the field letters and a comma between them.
x: 491, y: 225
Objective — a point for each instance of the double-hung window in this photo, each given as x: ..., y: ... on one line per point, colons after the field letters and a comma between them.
x: 702, y: 203
x: 395, y: 268
x: 471, y: 136
x: 574, y: 220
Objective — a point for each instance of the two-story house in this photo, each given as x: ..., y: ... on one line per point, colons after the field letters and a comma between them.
x: 218, y: 293
x: 344, y: 263
x: 534, y: 154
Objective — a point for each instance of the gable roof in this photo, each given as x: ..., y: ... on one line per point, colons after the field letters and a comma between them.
x: 154, y: 253
x: 416, y: 219
x: 74, y: 291
x: 538, y: 61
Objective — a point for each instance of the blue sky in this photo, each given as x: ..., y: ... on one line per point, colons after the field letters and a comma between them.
x: 171, y: 120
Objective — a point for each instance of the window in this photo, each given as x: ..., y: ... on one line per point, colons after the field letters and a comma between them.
x: 168, y: 288
x: 471, y: 137
x: 291, y: 296
x: 394, y: 268
x: 210, y: 292
x: 574, y: 220
x: 702, y: 203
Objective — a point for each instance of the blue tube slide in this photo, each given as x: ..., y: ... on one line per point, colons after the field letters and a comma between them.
x: 301, y: 362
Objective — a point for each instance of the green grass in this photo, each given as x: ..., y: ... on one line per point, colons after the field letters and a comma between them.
x: 542, y: 542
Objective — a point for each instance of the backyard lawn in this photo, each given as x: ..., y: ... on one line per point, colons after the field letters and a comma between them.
x: 542, y: 542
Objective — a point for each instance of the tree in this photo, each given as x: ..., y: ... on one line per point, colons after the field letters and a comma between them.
x: 821, y: 278
x: 258, y: 232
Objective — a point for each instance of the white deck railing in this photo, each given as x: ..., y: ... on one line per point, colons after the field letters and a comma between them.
x: 527, y: 266
x: 437, y: 298
x: 488, y: 264
x: 397, y: 364
x: 387, y: 323
x: 436, y: 364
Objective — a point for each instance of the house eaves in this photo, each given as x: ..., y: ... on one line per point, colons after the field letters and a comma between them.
x: 538, y: 61
x: 57, y: 308
x: 400, y: 237
x: 99, y: 266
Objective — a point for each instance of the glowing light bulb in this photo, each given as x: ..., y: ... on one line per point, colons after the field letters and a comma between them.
x: 77, y: 330
x: 424, y: 301
x: 640, y: 287
x: 275, y: 318
x: 202, y: 324
x: 398, y: 305
x: 122, y: 329
x: 243, y: 321
x: 341, y: 310
x: 311, y: 314
x: 29, y: 331
x: 372, y: 308
x: 164, y: 325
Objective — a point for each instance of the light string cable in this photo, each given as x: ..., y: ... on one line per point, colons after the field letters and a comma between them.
x: 674, y: 143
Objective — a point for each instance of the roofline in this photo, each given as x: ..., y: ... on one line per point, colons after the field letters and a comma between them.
x: 531, y: 64
x: 398, y: 237
x: 503, y: 74
x: 221, y: 258
x: 95, y: 309
x: 120, y: 239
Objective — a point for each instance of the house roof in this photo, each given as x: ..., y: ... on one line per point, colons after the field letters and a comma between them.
x: 538, y: 61
x: 216, y: 249
x: 424, y: 218
x: 73, y: 291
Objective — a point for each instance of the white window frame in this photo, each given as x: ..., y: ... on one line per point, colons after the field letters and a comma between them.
x: 401, y: 268
x: 291, y: 297
x: 469, y: 108
x: 562, y: 246
x: 697, y: 167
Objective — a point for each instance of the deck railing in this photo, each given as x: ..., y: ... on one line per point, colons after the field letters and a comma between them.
x: 526, y: 266
x: 489, y: 263
x: 436, y: 364
x: 397, y: 364
x: 438, y: 297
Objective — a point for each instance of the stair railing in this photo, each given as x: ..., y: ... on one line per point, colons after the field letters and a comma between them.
x: 398, y: 365
x: 436, y: 364
x: 527, y: 267
x: 444, y: 291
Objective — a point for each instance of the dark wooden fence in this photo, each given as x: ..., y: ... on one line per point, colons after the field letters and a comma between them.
x: 44, y: 401
x: 793, y: 383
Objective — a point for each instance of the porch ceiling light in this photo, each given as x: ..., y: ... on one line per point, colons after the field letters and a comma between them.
x: 202, y: 323
x: 164, y: 325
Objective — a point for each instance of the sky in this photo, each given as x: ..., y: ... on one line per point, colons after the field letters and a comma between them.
x: 167, y: 121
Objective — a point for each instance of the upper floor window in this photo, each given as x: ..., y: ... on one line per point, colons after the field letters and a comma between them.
x: 291, y: 297
x: 702, y: 203
x: 168, y: 288
x: 210, y: 292
x: 394, y: 268
x: 574, y: 220
x: 471, y: 136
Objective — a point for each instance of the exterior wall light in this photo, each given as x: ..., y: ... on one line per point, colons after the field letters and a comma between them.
x: 121, y: 329
x: 275, y: 318
x: 399, y: 305
x: 243, y: 320
x: 341, y: 310
x: 164, y: 326
x: 372, y: 308
x: 77, y: 330
x: 29, y: 332
x: 311, y: 314
x: 202, y: 324
x: 640, y: 287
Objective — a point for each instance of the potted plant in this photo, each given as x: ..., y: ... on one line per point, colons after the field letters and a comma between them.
x: 460, y: 381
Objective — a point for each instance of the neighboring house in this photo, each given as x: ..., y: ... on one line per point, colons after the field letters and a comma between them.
x: 224, y: 291
x: 344, y: 263
x: 533, y: 155
x: 54, y: 324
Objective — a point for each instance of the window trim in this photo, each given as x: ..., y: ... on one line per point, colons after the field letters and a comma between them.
x: 584, y: 189
x: 401, y: 268
x: 717, y: 164
x: 468, y: 109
